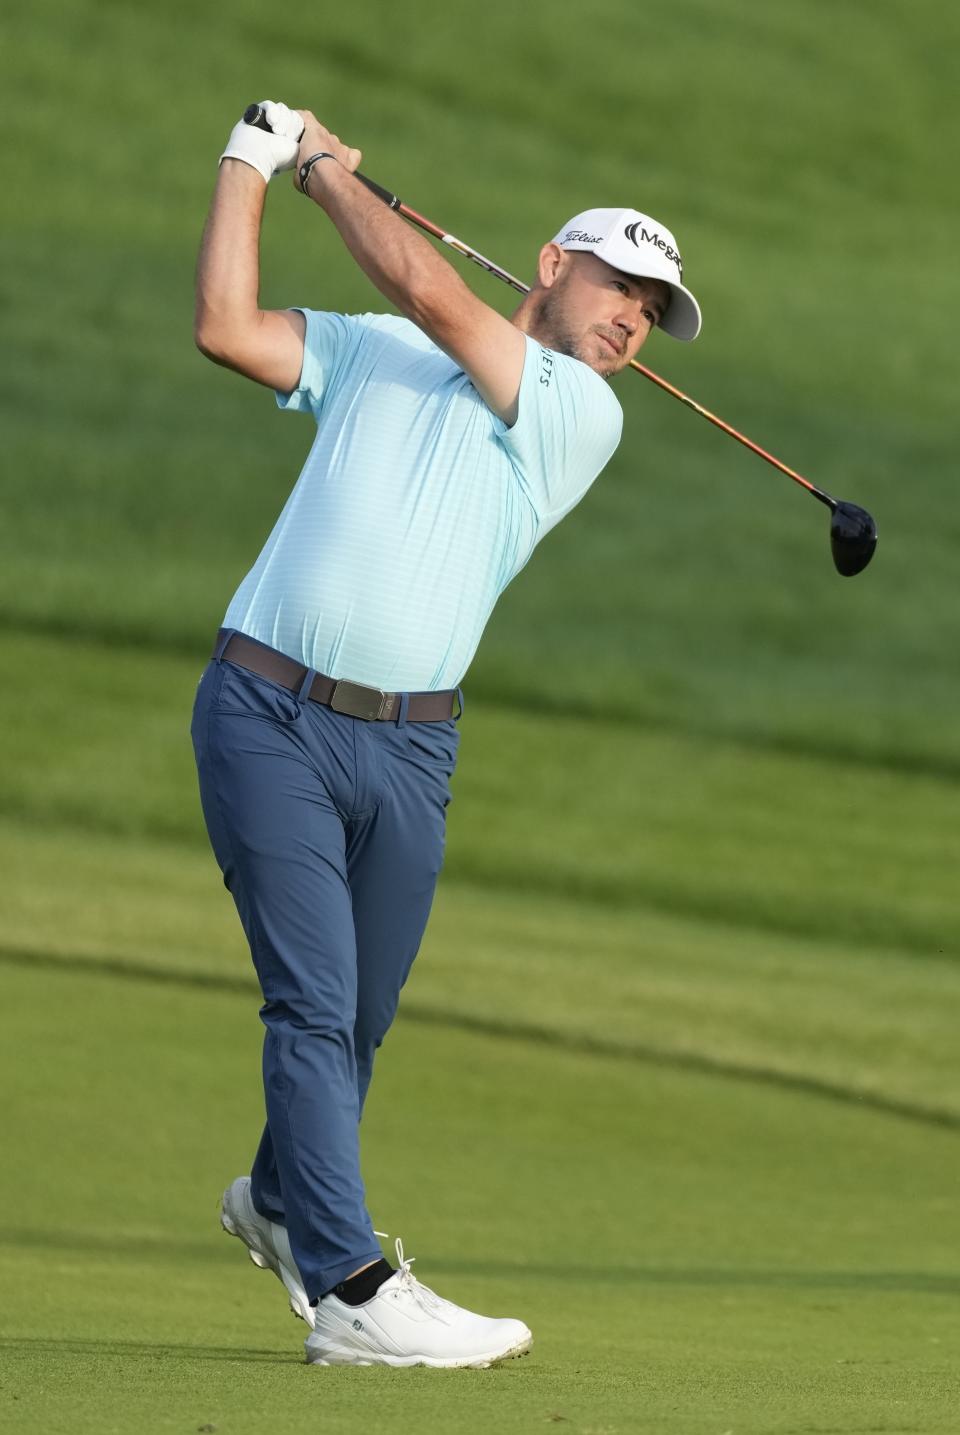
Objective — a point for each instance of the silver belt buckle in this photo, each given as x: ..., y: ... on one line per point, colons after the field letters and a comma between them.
x: 359, y: 701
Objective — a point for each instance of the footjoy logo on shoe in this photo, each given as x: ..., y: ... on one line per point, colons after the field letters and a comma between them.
x: 358, y: 1325
x: 654, y: 238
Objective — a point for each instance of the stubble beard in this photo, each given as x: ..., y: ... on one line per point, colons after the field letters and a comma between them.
x: 553, y: 329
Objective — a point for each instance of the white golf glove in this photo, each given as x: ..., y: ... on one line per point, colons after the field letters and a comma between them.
x: 267, y: 153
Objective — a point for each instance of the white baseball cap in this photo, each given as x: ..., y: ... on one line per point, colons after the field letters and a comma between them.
x: 636, y: 244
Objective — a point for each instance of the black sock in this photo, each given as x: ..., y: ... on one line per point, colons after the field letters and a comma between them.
x: 364, y: 1285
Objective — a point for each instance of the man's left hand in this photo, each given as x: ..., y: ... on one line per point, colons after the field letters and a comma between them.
x: 267, y: 151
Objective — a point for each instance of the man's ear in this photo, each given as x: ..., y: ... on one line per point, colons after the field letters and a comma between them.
x: 550, y: 265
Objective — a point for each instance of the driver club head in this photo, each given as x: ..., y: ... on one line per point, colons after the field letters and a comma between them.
x: 853, y: 538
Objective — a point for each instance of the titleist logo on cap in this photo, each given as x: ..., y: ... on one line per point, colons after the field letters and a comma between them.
x: 580, y: 236
x: 654, y: 238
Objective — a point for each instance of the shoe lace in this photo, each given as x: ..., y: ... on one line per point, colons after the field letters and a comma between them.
x: 407, y: 1283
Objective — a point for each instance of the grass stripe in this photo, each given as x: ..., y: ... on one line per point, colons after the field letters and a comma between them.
x: 733, y: 910
x: 529, y: 1033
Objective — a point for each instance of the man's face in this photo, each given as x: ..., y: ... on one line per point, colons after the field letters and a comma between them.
x: 593, y: 312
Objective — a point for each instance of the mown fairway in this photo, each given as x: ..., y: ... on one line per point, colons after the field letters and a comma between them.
x: 676, y: 1078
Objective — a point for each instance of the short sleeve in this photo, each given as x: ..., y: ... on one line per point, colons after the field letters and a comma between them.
x: 567, y: 429
x: 329, y: 342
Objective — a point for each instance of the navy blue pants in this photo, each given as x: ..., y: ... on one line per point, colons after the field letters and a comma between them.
x: 329, y: 832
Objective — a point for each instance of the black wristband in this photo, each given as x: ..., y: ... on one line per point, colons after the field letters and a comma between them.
x: 307, y: 166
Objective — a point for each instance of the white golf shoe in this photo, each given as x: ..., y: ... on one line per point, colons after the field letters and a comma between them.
x: 268, y: 1244
x: 406, y: 1323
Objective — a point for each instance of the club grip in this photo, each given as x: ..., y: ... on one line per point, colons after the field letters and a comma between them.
x: 393, y: 201
x: 254, y: 115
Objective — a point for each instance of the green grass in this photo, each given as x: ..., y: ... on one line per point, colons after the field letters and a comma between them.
x: 727, y: 1136
x: 673, y: 1282
x: 694, y: 586
x: 680, y: 1049
x: 876, y: 1026
x: 671, y: 895
x: 783, y: 841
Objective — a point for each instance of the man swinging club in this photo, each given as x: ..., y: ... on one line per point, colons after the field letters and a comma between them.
x: 448, y: 442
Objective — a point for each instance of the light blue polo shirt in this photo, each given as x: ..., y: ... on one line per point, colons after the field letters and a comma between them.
x: 416, y: 505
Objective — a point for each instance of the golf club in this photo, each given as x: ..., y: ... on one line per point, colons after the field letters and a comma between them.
x: 853, y: 532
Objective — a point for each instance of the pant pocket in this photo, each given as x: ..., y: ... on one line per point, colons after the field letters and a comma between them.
x: 246, y: 694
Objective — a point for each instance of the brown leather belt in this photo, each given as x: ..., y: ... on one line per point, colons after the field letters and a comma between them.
x: 354, y: 699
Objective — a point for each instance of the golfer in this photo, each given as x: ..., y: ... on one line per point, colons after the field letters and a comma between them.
x: 449, y: 440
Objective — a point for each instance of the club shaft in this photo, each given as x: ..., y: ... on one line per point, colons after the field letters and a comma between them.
x: 734, y: 433
x: 255, y: 116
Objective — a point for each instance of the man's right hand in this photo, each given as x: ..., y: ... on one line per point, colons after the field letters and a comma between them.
x: 317, y: 138
x: 267, y: 153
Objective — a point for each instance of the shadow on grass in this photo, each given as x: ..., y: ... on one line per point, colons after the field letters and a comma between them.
x: 145, y: 1350
x: 131, y: 1246
x: 164, y: 1249
x: 915, y: 1282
